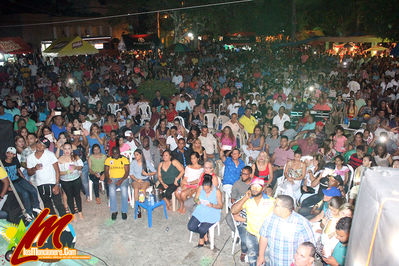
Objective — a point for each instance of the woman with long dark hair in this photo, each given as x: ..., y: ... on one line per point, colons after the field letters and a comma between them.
x: 140, y: 173
x: 170, y: 172
x: 70, y: 170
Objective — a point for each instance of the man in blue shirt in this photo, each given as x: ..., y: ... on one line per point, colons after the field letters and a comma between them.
x: 4, y: 115
x: 233, y: 165
x: 11, y: 109
x: 183, y: 108
x: 58, y: 124
x: 283, y: 232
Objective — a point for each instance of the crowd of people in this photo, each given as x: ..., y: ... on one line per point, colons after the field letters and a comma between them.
x: 302, y: 127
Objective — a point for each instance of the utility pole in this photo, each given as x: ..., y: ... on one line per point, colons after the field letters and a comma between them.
x: 293, y: 20
x: 158, y: 30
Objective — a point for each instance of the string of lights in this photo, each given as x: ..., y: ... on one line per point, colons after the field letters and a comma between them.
x: 126, y: 15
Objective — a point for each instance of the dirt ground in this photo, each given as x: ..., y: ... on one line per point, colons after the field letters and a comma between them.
x: 132, y: 242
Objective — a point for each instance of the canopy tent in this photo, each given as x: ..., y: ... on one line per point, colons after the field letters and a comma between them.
x: 14, y: 45
x: 69, y: 47
x: 374, y: 236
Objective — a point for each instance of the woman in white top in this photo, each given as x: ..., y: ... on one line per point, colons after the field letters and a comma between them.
x: 70, y: 171
x: 189, y: 183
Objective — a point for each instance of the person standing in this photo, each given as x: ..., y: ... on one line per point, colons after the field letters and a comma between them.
x: 283, y: 232
x: 116, y: 172
x: 304, y: 255
x: 44, y: 165
x: 70, y: 170
x: 258, y: 206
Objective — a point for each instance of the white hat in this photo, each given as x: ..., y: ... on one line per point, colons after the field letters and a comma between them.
x: 128, y: 133
x: 12, y: 150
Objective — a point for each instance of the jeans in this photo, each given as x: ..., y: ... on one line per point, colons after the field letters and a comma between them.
x: 48, y: 198
x: 28, y: 194
x: 124, y: 197
x: 253, y: 248
x: 3, y: 215
x: 194, y: 225
x: 276, y: 175
x: 85, y: 178
x: 96, y: 184
x: 72, y: 191
x: 242, y: 231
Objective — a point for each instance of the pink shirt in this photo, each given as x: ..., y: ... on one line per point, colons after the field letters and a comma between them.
x: 125, y: 147
x: 340, y: 143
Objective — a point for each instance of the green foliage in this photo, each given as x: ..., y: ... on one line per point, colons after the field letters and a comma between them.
x: 149, y: 87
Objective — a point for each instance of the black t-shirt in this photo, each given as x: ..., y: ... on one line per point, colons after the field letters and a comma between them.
x: 12, y: 169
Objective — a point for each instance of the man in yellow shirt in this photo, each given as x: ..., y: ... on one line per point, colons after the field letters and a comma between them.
x: 248, y: 121
x: 116, y: 172
x: 257, y: 206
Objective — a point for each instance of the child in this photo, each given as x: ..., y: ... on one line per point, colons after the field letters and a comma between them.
x: 338, y: 256
x: 357, y: 178
x: 340, y: 141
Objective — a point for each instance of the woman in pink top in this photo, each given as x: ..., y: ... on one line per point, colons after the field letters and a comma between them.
x: 340, y: 141
x: 226, y: 139
x: 122, y: 145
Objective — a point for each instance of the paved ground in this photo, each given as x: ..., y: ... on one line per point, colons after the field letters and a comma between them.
x: 131, y: 242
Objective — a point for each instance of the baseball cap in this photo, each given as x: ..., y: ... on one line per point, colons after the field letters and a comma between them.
x: 319, y: 123
x: 332, y: 192
x: 12, y: 150
x: 45, y: 141
x: 258, y: 181
x: 128, y: 133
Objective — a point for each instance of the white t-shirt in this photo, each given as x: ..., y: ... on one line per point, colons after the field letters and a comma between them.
x: 46, y: 175
x: 233, y: 108
x: 279, y: 122
x: 172, y: 142
x: 86, y: 125
x: 132, y: 145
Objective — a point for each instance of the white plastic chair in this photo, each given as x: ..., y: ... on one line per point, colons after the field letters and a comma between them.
x: 350, y: 181
x: 128, y: 154
x: 91, y: 188
x: 211, y: 235
x: 181, y: 119
x: 145, y: 112
x: 221, y: 120
x: 113, y: 108
x: 210, y: 120
x: 235, y: 235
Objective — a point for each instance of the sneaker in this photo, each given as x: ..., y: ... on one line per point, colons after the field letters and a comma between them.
x: 124, y: 216
x: 113, y: 216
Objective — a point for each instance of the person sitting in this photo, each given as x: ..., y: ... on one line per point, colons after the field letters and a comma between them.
x: 254, y: 145
x: 25, y: 189
x: 233, y: 165
x: 294, y: 173
x: 226, y: 139
x: 96, y: 169
x: 169, y: 172
x: 208, y: 210
x: 182, y: 153
x: 140, y: 172
x: 263, y: 169
x: 189, y: 184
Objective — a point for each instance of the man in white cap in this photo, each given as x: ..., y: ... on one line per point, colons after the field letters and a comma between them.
x: 258, y: 205
x: 133, y: 143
